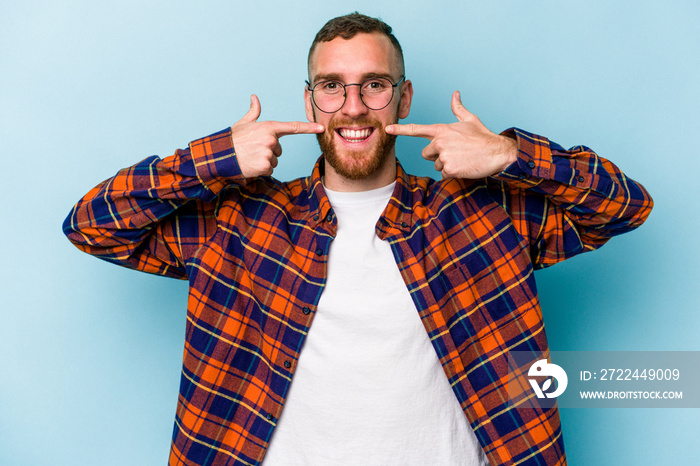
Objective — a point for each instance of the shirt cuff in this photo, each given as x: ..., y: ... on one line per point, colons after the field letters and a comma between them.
x: 215, y: 161
x: 540, y: 160
x: 534, y: 163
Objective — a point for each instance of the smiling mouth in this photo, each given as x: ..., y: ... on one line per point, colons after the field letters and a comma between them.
x: 355, y: 135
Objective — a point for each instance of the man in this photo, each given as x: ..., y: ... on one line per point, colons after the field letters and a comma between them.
x: 417, y: 289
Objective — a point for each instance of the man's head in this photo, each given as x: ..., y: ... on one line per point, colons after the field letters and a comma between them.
x: 350, y: 50
x: 349, y: 26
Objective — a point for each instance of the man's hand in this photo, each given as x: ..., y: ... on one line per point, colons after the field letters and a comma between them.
x: 257, y: 143
x: 466, y: 149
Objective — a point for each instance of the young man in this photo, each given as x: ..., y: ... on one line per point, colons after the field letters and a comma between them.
x: 417, y: 289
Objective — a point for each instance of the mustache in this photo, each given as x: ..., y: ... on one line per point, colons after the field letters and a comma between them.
x: 346, y: 122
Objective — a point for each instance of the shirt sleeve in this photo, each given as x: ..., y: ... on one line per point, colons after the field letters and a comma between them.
x: 565, y: 202
x: 153, y: 215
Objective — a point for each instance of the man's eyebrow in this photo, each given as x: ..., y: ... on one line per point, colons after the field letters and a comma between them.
x: 337, y: 77
x: 327, y: 77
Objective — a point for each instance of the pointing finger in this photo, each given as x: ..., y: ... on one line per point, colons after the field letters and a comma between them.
x: 420, y: 131
x: 285, y: 128
x: 458, y: 108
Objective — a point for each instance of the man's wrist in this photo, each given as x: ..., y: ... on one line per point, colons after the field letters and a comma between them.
x: 508, y: 152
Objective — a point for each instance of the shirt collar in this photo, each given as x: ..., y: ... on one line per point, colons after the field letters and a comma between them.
x: 396, y: 217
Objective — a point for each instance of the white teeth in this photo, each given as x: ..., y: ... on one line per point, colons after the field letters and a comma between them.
x: 354, y: 134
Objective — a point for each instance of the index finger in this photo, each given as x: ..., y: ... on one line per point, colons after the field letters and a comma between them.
x: 285, y: 128
x: 411, y: 129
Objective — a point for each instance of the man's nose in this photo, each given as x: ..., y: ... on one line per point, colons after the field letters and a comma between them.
x: 353, y: 106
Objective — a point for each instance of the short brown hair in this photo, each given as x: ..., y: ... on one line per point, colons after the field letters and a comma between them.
x: 349, y: 26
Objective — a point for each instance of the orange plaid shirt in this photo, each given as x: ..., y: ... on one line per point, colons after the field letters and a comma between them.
x: 254, y: 252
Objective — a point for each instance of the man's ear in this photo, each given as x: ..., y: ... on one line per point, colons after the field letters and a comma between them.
x: 309, y: 105
x: 405, y: 99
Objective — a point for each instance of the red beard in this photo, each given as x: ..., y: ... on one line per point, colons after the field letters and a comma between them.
x: 357, y: 165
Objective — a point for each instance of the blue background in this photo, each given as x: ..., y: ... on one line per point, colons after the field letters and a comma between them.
x: 90, y: 353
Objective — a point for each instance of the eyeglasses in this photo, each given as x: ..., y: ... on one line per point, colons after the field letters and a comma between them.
x: 375, y: 93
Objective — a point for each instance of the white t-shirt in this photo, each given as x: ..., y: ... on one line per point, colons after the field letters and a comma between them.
x: 369, y: 388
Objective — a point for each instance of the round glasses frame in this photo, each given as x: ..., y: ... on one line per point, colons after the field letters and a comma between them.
x: 345, y: 92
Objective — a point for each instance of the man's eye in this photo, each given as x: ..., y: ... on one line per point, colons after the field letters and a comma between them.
x: 331, y: 86
x: 375, y: 85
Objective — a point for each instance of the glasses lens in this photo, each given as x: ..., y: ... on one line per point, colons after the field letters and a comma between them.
x: 377, y: 92
x: 329, y: 96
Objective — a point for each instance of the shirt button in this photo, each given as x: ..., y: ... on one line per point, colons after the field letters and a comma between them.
x: 319, y: 252
x: 315, y: 218
x: 306, y: 311
x: 329, y: 218
x: 287, y: 364
x: 404, y: 224
x: 581, y: 179
x: 531, y: 164
x: 269, y: 417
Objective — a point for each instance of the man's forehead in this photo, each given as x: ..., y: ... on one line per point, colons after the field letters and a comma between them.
x: 362, y: 55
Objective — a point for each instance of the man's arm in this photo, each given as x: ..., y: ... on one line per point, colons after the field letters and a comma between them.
x: 567, y: 201
x: 562, y: 201
x: 153, y: 215
x: 130, y: 218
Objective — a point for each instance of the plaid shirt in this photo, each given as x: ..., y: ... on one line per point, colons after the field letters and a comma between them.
x: 255, y: 251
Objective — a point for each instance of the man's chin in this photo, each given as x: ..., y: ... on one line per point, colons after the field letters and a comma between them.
x: 357, y: 165
x: 354, y: 166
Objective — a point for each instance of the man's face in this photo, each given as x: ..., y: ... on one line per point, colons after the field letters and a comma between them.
x: 355, y: 144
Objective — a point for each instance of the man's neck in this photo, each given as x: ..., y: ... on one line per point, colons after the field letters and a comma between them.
x: 384, y: 176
